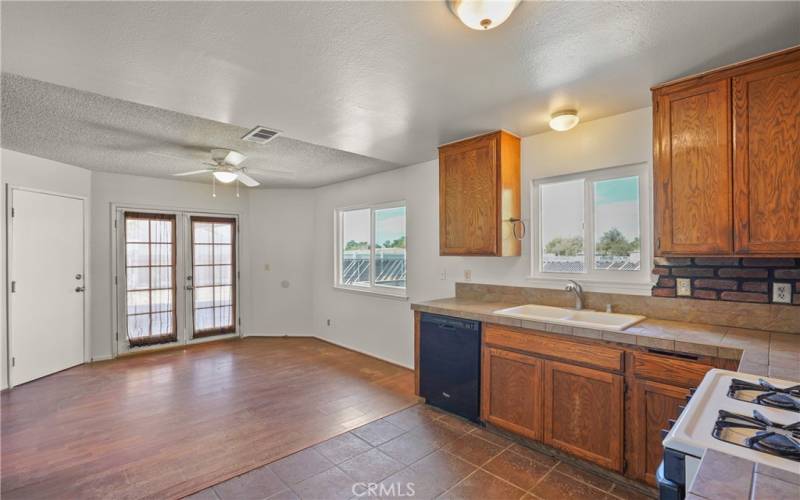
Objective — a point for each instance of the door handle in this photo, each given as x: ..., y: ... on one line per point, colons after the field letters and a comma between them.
x: 189, y: 287
x: 80, y: 289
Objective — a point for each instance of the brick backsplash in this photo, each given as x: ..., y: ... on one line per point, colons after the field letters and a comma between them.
x: 727, y: 278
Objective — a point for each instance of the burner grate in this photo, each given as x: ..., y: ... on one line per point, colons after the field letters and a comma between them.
x: 765, y: 394
x: 759, y: 433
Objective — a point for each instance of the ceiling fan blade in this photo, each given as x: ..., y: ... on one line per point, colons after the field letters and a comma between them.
x: 194, y: 172
x: 247, y: 180
x: 272, y: 172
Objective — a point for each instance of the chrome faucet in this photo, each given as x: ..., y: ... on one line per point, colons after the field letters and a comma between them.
x: 573, y: 286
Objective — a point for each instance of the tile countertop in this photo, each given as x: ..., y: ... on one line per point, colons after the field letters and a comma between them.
x: 760, y: 353
x: 769, y: 354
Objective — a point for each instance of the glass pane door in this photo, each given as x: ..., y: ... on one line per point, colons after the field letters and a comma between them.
x: 150, y: 278
x: 213, y: 276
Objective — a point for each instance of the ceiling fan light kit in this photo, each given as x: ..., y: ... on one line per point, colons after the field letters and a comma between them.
x: 226, y: 176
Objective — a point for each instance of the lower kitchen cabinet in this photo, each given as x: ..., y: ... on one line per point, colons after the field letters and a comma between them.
x: 652, y: 405
x: 512, y: 386
x: 583, y: 413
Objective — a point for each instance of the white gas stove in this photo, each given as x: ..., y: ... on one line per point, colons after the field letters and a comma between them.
x: 748, y: 416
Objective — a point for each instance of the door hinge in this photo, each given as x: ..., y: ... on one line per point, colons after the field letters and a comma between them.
x: 13, y: 287
x: 13, y: 212
x: 115, y: 223
x: 240, y: 321
x: 624, y: 464
x: 115, y: 280
x: 13, y: 361
x: 658, y: 243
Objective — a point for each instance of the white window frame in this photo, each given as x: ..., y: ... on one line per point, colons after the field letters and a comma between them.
x: 626, y: 282
x: 372, y: 288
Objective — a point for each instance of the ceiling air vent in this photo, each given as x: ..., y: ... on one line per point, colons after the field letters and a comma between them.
x: 260, y: 135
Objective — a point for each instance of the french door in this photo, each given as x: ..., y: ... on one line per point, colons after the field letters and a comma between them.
x: 176, y: 279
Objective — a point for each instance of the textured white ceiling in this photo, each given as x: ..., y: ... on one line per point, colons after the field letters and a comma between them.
x: 111, y: 135
x: 389, y: 80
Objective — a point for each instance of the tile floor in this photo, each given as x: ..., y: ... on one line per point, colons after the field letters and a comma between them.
x: 419, y: 452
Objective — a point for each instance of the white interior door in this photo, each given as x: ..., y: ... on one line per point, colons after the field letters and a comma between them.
x: 46, y: 271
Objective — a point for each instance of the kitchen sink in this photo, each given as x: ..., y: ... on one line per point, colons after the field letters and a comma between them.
x: 572, y: 317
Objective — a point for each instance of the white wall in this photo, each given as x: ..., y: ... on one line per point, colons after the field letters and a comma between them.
x: 383, y: 326
x: 21, y: 170
x: 281, y: 236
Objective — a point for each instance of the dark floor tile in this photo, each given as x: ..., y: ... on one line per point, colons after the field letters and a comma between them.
x: 372, y: 466
x: 457, y: 423
x: 483, y: 486
x: 409, y: 483
x: 447, y: 469
x: 587, y: 477
x: 438, y: 433
x: 285, y: 495
x: 492, y: 437
x: 332, y: 484
x: 300, y: 465
x: 378, y: 432
x: 413, y: 417
x: 254, y: 485
x: 619, y: 491
x: 206, y: 494
x: 474, y: 449
x: 537, y: 456
x: 520, y: 470
x: 408, y: 448
x: 342, y: 447
x: 557, y: 486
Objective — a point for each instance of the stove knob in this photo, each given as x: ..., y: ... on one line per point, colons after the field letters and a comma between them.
x: 670, y: 423
x: 680, y: 409
x: 664, y: 433
x: 692, y: 391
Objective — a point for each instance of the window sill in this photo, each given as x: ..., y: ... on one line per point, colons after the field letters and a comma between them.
x: 603, y: 286
x: 375, y: 292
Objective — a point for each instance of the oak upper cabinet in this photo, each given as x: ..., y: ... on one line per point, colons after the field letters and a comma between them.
x: 479, y: 192
x: 766, y: 169
x: 692, y: 171
x: 726, y: 160
x: 511, y: 392
x: 583, y: 413
x: 652, y: 406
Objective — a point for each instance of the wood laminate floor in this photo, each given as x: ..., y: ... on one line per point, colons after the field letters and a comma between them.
x: 167, y: 424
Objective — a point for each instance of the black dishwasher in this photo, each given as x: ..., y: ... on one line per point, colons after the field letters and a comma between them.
x: 450, y: 364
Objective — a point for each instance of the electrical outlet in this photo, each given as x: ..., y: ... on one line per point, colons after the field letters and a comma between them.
x: 684, y: 287
x: 267, y: 267
x: 782, y: 293
x: 467, y: 275
x: 330, y: 323
x: 443, y: 275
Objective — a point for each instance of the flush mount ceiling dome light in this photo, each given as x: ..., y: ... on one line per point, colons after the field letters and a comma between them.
x: 482, y: 14
x: 562, y: 121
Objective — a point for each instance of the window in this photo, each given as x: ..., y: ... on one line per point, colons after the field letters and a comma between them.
x: 590, y: 227
x: 213, y: 272
x: 371, y: 248
x: 150, y: 278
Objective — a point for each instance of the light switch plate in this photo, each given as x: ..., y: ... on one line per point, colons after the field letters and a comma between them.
x: 684, y: 287
x: 467, y: 275
x: 782, y: 293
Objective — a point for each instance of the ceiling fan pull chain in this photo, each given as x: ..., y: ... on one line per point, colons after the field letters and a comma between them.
x: 237, y: 187
x: 213, y: 187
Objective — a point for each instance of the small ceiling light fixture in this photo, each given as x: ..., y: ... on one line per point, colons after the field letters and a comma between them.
x: 562, y: 121
x: 225, y: 176
x: 482, y: 14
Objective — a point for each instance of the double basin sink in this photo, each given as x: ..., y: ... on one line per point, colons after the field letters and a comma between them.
x: 583, y: 318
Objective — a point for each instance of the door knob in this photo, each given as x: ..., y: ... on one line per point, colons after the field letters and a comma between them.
x: 189, y: 287
x: 78, y: 276
x: 80, y: 289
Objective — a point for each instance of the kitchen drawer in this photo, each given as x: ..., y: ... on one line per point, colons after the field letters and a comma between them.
x: 673, y: 369
x: 595, y: 355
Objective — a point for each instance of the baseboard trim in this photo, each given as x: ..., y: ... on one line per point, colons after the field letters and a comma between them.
x: 337, y: 344
x: 104, y: 357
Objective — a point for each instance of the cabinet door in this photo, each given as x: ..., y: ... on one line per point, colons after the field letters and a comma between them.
x: 583, y: 411
x: 652, y: 405
x: 692, y: 171
x: 511, y: 392
x: 468, y: 197
x: 767, y: 161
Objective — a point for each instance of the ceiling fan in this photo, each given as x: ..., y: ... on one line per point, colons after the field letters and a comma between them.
x: 225, y: 168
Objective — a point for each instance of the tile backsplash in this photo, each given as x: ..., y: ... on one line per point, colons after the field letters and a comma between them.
x: 729, y: 278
